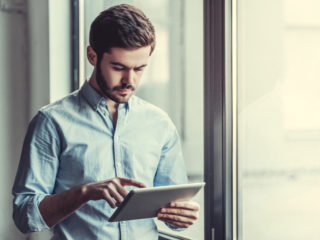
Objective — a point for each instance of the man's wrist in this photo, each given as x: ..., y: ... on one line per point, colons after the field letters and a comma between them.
x: 84, y: 193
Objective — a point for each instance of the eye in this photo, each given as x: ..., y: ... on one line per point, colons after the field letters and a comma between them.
x: 138, y: 69
x: 118, y: 69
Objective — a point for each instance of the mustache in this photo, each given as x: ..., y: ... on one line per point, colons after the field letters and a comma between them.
x: 124, y: 86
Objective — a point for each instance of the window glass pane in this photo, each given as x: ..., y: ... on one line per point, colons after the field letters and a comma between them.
x: 278, y: 119
x: 173, y: 79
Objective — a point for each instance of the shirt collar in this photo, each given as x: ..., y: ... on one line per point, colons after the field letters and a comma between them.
x: 95, y: 99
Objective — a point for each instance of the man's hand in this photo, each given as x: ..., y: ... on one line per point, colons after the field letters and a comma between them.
x: 180, y: 214
x: 112, y: 190
x: 54, y: 208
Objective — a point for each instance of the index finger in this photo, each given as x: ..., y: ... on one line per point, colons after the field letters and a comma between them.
x: 131, y: 182
x: 190, y: 205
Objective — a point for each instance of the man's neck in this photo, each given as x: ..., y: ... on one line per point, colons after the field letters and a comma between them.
x: 112, y: 105
x: 113, y: 110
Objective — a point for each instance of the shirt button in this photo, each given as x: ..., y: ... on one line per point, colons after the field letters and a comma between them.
x: 118, y: 164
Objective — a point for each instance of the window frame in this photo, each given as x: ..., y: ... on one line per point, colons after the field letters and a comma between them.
x: 218, y: 121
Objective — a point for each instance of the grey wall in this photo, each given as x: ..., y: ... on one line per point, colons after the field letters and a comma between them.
x: 14, y: 107
x: 34, y: 69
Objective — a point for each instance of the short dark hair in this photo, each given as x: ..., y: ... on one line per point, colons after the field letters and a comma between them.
x: 122, y: 26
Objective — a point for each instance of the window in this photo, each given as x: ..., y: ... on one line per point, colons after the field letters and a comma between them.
x: 278, y: 119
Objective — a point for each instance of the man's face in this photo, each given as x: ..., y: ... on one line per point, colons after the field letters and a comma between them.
x: 118, y: 73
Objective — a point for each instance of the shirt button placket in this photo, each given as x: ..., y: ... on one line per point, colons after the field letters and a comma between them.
x: 117, y: 152
x: 123, y: 229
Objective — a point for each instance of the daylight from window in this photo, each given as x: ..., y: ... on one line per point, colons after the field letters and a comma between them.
x: 278, y: 119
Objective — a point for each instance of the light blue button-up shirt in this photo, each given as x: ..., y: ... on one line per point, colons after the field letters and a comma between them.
x: 73, y: 141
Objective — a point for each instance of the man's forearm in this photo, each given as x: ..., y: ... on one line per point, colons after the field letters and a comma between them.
x: 55, y: 208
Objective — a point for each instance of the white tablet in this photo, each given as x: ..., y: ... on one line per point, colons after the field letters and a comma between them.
x: 146, y: 202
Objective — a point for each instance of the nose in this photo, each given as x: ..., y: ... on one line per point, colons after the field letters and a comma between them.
x: 129, y: 77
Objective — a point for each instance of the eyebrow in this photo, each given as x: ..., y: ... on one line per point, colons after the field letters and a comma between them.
x: 124, y: 66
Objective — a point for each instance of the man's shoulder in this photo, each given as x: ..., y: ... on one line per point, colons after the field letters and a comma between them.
x: 149, y: 114
x: 141, y: 105
x: 62, y: 106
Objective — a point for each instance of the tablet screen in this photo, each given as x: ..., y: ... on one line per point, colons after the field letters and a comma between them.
x: 146, y: 202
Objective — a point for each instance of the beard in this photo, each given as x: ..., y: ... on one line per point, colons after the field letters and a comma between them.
x: 112, y: 92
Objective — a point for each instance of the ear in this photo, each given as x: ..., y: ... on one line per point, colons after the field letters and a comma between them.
x: 92, y: 56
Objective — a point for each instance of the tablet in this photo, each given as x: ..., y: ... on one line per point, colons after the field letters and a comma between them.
x: 146, y: 202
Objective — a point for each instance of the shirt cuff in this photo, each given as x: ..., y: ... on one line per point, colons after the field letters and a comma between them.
x: 174, y: 228
x: 36, y: 222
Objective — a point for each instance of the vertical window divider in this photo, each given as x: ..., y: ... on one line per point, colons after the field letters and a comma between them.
x: 218, y: 120
x: 234, y: 73
x: 75, y: 44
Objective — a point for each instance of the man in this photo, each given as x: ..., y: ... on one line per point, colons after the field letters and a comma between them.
x: 83, y: 153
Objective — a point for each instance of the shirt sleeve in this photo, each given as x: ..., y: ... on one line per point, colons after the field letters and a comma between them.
x: 171, y: 168
x: 36, y: 173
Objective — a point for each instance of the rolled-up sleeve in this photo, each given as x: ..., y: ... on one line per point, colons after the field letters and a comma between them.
x: 36, y: 173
